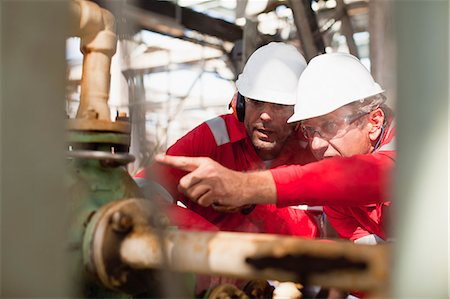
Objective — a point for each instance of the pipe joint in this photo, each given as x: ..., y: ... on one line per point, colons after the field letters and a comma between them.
x: 104, y: 41
x: 90, y: 17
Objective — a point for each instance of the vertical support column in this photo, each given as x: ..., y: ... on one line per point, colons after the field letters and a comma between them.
x: 137, y: 106
x: 346, y: 27
x: 307, y: 28
x: 32, y: 130
x: 250, y: 40
x: 382, y: 46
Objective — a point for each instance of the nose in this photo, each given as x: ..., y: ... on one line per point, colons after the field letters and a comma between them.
x: 265, y: 116
x: 318, y: 143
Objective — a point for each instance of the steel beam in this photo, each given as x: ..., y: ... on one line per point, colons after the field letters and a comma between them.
x: 177, y: 17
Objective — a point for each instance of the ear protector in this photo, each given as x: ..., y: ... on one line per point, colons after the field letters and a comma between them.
x: 238, y: 106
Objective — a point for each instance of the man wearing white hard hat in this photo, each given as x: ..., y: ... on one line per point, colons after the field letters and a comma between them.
x: 341, y: 112
x: 256, y: 136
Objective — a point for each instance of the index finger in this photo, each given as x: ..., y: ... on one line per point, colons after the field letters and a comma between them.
x: 180, y: 162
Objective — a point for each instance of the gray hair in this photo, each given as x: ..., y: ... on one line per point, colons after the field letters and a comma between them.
x: 369, y: 104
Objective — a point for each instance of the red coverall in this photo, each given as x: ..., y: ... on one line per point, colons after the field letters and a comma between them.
x: 225, y: 140
x: 353, y: 190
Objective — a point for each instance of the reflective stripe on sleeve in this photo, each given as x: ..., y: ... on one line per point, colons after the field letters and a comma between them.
x: 219, y: 130
x: 369, y: 240
x: 308, y: 208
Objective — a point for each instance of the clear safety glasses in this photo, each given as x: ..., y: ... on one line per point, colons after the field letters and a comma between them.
x: 330, y: 129
x: 259, y: 105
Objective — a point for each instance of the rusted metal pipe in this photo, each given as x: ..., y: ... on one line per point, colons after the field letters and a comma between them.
x: 241, y: 255
x: 230, y: 254
x: 95, y: 27
x: 216, y: 254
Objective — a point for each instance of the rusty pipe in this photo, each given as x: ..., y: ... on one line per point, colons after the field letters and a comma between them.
x: 96, y: 28
x: 125, y: 231
x: 227, y: 254
x: 206, y: 253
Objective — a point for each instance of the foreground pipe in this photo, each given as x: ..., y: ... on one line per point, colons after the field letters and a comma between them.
x: 126, y: 231
x: 95, y: 27
x: 256, y: 256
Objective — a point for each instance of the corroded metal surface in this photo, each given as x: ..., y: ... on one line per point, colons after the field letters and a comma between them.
x: 258, y: 256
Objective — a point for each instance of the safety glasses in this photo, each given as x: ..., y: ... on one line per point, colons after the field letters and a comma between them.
x: 332, y: 128
x: 260, y: 105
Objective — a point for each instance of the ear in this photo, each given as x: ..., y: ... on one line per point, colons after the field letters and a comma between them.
x: 376, y: 120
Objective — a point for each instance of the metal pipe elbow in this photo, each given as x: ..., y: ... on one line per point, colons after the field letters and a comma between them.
x: 96, y: 27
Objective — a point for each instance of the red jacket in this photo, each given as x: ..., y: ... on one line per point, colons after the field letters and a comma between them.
x: 225, y: 140
x: 354, y: 190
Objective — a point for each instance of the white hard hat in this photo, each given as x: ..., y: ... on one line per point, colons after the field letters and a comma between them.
x: 331, y: 81
x: 271, y: 74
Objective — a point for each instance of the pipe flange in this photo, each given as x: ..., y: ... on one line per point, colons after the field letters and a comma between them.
x: 75, y: 138
x: 105, y: 232
x: 107, y: 157
x: 82, y: 124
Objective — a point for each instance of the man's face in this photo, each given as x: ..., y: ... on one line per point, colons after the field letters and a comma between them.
x: 339, y: 133
x: 266, y: 124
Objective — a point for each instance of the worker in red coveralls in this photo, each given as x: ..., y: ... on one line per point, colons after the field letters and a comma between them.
x: 255, y: 137
x: 350, y: 131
